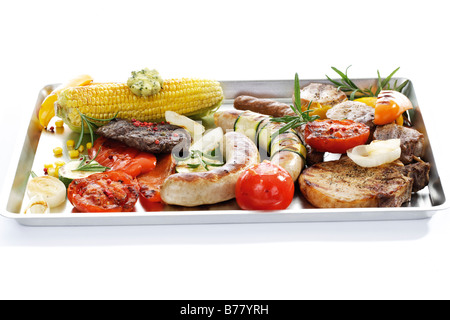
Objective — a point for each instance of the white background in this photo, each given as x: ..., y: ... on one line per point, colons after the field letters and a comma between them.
x: 43, y: 42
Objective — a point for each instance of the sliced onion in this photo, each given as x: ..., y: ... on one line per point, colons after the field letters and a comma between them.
x: 376, y: 153
x: 211, y: 140
x: 51, y: 189
x: 194, y: 128
x: 37, y: 205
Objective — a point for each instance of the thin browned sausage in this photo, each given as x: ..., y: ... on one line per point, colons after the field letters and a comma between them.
x: 265, y: 106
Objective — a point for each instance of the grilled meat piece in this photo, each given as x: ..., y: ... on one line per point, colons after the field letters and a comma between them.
x: 419, y: 172
x: 312, y: 155
x: 353, y: 110
x: 326, y: 95
x: 158, y: 138
x: 344, y: 184
x: 412, y: 142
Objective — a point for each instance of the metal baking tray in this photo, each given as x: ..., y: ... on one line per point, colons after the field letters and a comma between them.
x: 37, y: 151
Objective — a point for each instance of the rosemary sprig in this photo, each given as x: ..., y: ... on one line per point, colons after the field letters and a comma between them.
x: 92, y: 126
x: 352, y: 90
x: 301, y: 117
x: 91, y: 165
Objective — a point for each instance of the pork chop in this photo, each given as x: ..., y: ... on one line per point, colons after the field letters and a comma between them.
x: 344, y: 184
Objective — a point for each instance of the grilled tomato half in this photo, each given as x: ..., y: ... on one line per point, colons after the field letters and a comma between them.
x: 335, y: 136
x: 112, y: 191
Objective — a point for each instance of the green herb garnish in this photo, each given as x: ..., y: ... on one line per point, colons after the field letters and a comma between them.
x: 352, y: 90
x: 197, y: 154
x: 90, y: 165
x: 92, y: 126
x: 202, y: 160
x: 301, y: 117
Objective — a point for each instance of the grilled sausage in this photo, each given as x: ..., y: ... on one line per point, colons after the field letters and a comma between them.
x: 265, y: 106
x: 277, y: 109
x: 284, y: 149
x: 214, y: 186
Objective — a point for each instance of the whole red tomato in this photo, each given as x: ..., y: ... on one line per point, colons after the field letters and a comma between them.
x: 264, y: 186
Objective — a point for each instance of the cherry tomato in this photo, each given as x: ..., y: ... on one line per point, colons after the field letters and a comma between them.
x: 111, y: 191
x: 335, y: 136
x: 118, y: 156
x: 264, y: 186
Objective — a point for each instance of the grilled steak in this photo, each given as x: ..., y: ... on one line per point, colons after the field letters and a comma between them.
x: 420, y: 173
x: 344, y: 184
x: 412, y: 142
x: 155, y: 138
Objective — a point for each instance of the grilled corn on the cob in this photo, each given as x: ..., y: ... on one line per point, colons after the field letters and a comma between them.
x: 189, y: 97
x: 47, y: 110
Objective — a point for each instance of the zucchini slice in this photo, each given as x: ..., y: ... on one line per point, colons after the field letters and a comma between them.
x: 248, y: 123
x: 288, y: 139
x: 269, y: 130
x: 290, y: 150
x: 67, y: 174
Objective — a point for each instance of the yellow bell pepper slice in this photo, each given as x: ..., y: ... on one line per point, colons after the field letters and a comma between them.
x: 47, y: 109
x: 370, y: 101
x: 316, y: 108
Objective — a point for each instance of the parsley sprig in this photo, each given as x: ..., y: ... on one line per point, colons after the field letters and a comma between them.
x: 351, y: 89
x: 301, y: 117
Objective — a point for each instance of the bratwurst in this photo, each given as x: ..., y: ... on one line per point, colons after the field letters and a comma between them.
x: 214, y: 186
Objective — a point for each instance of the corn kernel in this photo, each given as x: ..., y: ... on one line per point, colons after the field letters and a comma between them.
x: 52, y: 172
x: 59, y: 123
x: 48, y: 165
x: 59, y: 163
x: 58, y: 151
x: 81, y: 149
x: 74, y: 154
x: 88, y: 145
x: 70, y: 143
